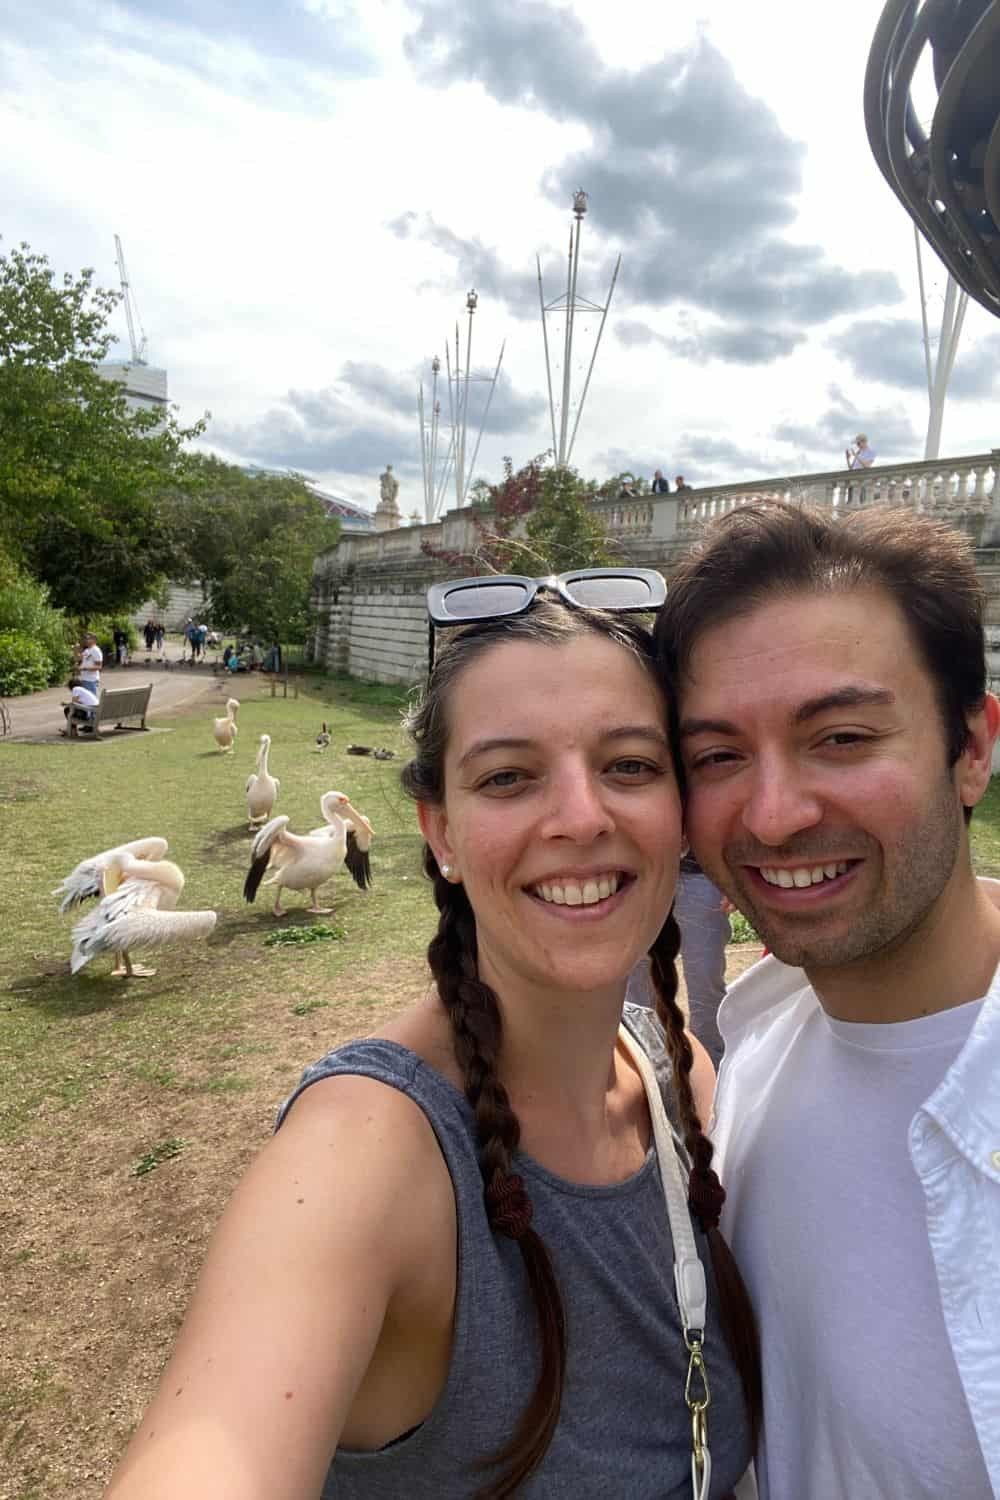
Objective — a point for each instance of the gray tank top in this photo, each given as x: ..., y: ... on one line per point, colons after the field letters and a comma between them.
x: 623, y: 1429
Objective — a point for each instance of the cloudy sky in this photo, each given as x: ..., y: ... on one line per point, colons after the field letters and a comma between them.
x: 305, y: 192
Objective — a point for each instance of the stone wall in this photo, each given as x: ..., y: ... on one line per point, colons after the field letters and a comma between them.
x: 182, y: 604
x: 368, y: 597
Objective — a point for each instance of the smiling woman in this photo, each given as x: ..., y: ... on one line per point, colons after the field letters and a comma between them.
x: 453, y: 1271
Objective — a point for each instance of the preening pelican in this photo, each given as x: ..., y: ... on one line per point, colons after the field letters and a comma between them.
x: 225, y: 729
x: 304, y: 862
x: 352, y: 829
x: 84, y: 882
x: 262, y: 787
x: 137, y: 911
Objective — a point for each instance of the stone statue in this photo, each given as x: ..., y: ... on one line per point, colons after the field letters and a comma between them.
x: 389, y: 485
x: 387, y: 516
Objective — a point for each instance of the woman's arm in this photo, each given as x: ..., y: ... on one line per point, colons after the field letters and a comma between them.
x: 332, y: 1221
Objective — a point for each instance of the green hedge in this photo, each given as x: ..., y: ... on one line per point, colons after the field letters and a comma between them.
x: 26, y: 613
x: 24, y: 665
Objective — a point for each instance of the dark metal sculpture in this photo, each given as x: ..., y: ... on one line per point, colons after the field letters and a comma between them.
x: 948, y: 181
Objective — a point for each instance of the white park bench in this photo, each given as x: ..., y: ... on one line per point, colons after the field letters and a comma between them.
x: 114, y: 706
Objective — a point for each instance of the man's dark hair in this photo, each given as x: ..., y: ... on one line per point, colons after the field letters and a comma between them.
x: 759, y: 554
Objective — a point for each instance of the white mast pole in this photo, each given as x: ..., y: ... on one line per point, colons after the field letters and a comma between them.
x: 423, y: 452
x: 470, y: 303
x: 489, y: 399
x: 593, y: 357
x: 939, y: 367
x: 548, y: 362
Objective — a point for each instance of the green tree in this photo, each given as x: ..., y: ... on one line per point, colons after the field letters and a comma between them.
x: 81, y: 476
x: 538, y: 519
x: 562, y: 531
x: 251, y: 540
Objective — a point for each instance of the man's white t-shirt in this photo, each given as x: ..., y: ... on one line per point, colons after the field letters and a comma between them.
x: 83, y: 697
x: 91, y: 662
x: 862, y: 1396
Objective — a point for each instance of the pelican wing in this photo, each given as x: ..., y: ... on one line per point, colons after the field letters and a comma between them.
x: 85, y: 882
x: 267, y: 847
x: 130, y: 918
x: 357, y: 861
x: 363, y: 831
x: 251, y: 781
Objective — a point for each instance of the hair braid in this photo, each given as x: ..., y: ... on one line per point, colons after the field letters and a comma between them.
x: 477, y: 1033
x: 705, y: 1192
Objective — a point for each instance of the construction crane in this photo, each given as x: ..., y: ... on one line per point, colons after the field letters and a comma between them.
x: 137, y: 342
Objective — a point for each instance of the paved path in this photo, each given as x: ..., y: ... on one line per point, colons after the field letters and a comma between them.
x: 38, y: 717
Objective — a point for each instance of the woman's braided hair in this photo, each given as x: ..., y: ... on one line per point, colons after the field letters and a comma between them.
x: 706, y: 1194
x: 477, y: 1029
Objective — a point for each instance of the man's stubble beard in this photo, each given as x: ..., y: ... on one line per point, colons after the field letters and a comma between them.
x: 921, y: 864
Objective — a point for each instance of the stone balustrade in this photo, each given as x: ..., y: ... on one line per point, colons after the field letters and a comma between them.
x: 959, y: 490
x: 368, y: 590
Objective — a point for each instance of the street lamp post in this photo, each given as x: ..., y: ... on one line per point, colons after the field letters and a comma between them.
x: 459, y: 378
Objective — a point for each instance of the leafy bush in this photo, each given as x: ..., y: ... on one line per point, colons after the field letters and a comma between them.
x: 24, y: 665
x: 25, y: 610
x: 741, y: 929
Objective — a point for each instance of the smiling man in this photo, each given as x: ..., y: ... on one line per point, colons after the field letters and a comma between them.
x: 837, y: 733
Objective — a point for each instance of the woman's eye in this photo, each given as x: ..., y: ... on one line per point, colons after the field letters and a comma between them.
x: 501, y: 780
x: 634, y: 768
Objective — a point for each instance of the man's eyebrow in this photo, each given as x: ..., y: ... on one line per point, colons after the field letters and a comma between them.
x: 691, y: 727
x: 852, y: 695
x: 651, y: 732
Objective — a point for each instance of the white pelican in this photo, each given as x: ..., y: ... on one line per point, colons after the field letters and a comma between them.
x: 304, y: 862
x: 225, y: 729
x: 262, y: 787
x: 137, y: 911
x: 85, y: 881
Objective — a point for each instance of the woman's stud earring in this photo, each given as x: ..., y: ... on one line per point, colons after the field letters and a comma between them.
x: 446, y: 871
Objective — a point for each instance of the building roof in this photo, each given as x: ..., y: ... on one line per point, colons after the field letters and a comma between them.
x: 352, y: 517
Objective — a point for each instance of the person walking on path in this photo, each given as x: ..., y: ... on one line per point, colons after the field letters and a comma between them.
x: 837, y: 732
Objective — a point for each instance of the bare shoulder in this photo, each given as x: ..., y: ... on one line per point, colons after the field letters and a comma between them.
x: 702, y: 1080
x: 365, y: 1131
x: 424, y: 1029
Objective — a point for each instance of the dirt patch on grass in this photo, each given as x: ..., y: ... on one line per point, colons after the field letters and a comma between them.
x: 98, y: 1264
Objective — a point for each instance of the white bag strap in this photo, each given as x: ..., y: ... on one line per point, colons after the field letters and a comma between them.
x: 689, y: 1273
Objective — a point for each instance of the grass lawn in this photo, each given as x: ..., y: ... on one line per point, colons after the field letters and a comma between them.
x: 129, y: 1110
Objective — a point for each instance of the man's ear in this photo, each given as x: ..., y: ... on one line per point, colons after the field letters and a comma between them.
x: 975, y: 763
x: 434, y: 827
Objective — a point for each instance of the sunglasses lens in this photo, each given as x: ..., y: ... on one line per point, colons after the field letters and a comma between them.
x: 611, y: 593
x: 485, y: 601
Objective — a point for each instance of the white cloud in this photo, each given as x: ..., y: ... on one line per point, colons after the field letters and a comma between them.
x: 256, y: 159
